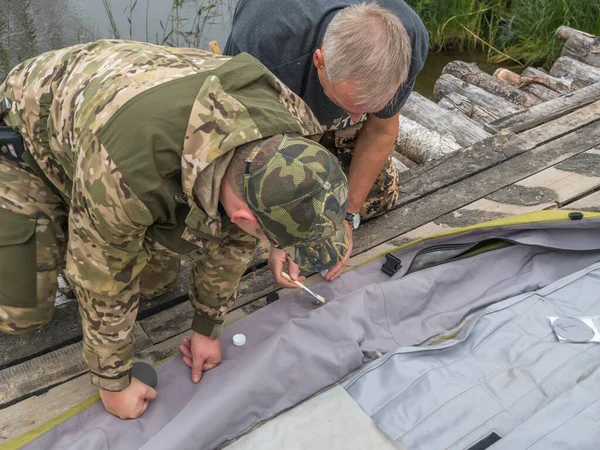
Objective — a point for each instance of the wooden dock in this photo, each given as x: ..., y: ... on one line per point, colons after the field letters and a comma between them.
x: 488, y: 147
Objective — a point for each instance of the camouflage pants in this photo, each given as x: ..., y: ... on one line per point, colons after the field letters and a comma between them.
x: 33, y: 222
x: 385, y: 190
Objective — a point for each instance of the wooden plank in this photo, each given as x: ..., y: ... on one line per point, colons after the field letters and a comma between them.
x: 427, y: 113
x: 565, y: 124
x: 495, y: 105
x: 65, y: 326
x: 475, y: 187
x: 549, y: 189
x: 588, y: 203
x: 470, y: 73
x: 581, y: 73
x: 489, y: 152
x: 547, y: 111
x: 464, y: 164
x: 39, y: 374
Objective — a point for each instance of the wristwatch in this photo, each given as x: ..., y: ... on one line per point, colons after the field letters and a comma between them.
x: 353, y: 219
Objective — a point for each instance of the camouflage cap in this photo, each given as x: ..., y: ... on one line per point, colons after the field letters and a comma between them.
x: 300, y: 197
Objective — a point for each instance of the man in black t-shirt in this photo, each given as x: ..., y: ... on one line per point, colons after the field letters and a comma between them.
x: 354, y: 63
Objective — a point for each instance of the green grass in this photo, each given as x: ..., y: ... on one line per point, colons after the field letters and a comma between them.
x: 521, y: 30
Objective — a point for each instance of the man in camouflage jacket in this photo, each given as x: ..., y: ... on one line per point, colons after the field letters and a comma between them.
x: 129, y: 168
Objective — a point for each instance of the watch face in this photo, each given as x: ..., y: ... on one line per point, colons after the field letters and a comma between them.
x: 353, y: 219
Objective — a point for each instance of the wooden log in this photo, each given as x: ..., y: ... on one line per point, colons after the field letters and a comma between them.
x: 407, y: 162
x: 527, y: 84
x: 547, y: 111
x: 470, y: 73
x: 496, y: 106
x: 429, y: 114
x: 399, y: 165
x: 559, y: 85
x: 582, y: 74
x: 490, y: 152
x: 581, y: 46
x: 422, y: 144
x: 459, y: 103
x: 542, y: 92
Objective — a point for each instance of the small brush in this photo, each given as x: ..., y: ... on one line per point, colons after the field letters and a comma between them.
x: 300, y: 285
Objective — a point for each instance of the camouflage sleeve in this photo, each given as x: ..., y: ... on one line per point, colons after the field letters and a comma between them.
x: 106, y: 253
x: 213, y: 282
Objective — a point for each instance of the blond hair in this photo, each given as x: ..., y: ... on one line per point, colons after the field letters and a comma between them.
x: 367, y: 45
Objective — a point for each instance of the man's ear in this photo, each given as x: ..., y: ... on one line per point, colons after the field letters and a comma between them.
x: 319, y: 59
x: 243, y: 216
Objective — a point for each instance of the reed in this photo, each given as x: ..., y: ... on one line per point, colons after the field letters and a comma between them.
x: 521, y: 30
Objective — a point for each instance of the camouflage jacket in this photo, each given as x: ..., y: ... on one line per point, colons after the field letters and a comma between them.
x: 136, y: 138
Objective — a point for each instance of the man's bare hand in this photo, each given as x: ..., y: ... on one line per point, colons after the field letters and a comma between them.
x: 337, y: 270
x: 131, y: 402
x: 277, y: 261
x: 201, y: 353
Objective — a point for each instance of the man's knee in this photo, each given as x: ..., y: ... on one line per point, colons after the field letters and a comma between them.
x: 384, y: 193
x: 158, y: 275
x: 31, y: 254
x: 23, y: 320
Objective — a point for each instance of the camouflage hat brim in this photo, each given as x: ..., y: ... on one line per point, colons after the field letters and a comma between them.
x: 322, y: 254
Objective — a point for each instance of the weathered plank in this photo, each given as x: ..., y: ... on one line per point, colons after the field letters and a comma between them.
x: 547, y: 111
x: 470, y: 73
x: 578, y: 45
x: 582, y: 74
x: 464, y: 130
x: 421, y: 144
x: 39, y: 374
x: 566, y: 124
x: 495, y: 105
x: 490, y: 152
x: 588, y: 203
x: 462, y: 105
x: 475, y: 187
x: 559, y: 85
x: 463, y: 164
x: 27, y: 415
x: 65, y: 326
x: 548, y: 189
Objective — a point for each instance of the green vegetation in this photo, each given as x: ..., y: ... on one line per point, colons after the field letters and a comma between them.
x: 518, y: 30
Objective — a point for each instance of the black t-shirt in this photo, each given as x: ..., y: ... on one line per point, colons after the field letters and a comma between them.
x: 283, y: 35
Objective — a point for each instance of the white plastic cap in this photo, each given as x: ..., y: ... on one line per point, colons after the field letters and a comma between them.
x: 239, y: 340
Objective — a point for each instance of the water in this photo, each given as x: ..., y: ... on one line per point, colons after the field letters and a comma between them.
x: 30, y: 27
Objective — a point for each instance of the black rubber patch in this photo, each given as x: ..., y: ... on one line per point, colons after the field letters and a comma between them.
x: 486, y: 442
x: 145, y: 373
